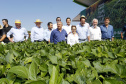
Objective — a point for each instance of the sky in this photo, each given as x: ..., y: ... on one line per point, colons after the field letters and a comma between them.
x: 46, y: 10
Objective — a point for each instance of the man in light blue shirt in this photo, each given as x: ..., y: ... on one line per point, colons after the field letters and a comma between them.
x: 37, y: 32
x: 82, y: 29
x: 47, y: 32
x: 18, y: 33
x: 107, y: 30
x: 59, y: 34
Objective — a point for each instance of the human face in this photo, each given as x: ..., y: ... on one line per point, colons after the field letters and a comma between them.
x: 58, y: 20
x: 95, y: 23
x: 4, y: 22
x: 68, y: 21
x: 82, y: 21
x: 59, y: 25
x: 18, y: 25
x: 38, y: 24
x: 107, y: 21
x: 73, y: 30
x: 50, y: 26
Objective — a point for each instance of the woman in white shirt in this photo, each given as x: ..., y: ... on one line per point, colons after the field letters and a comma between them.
x: 73, y: 36
x: 94, y: 31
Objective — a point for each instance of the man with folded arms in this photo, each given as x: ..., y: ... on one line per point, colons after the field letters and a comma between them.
x: 94, y: 31
x: 82, y: 29
x: 5, y: 29
x: 18, y: 33
x: 59, y: 34
x: 37, y: 32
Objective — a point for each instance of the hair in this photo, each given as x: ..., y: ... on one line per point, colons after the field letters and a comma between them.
x: 82, y: 18
x: 73, y: 26
x: 68, y: 18
x: 106, y: 18
x: 49, y: 23
x: 5, y: 20
x: 57, y: 18
x: 94, y: 20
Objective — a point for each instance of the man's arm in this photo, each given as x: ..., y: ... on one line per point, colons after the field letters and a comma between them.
x: 52, y: 37
x: 88, y: 35
x: 8, y: 35
x: 32, y: 35
x: 26, y: 34
x: 123, y: 29
x: 112, y: 34
x: 3, y: 36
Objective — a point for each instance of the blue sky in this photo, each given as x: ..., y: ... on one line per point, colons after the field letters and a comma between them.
x: 46, y: 10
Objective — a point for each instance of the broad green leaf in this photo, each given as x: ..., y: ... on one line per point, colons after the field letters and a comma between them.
x: 21, y: 71
x: 4, y: 81
x: 35, y: 82
x: 54, y: 75
x: 112, y: 81
x: 9, y: 57
x: 53, y: 59
x: 33, y: 71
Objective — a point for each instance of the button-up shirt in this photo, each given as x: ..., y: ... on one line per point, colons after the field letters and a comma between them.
x: 57, y: 36
x: 18, y: 34
x: 95, y: 33
x: 72, y: 39
x: 67, y: 28
x: 83, y: 31
x: 107, y: 33
x: 47, y: 34
x: 124, y: 30
x: 37, y: 34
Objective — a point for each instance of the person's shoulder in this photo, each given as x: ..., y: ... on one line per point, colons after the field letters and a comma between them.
x: 102, y: 26
x: 33, y: 28
x: 54, y: 30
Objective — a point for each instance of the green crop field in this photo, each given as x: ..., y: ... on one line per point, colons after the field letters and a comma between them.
x: 98, y: 62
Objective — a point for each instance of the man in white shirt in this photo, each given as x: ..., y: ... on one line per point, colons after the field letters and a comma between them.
x: 94, y: 31
x: 73, y: 37
x: 37, y: 32
x: 18, y: 33
x: 47, y: 32
x: 68, y: 26
x: 82, y: 29
x: 58, y: 19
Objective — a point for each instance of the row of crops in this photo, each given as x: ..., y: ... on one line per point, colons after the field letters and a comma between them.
x: 98, y: 62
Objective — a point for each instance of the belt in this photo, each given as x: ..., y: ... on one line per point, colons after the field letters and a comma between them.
x: 82, y: 39
x: 106, y: 39
x: 37, y: 41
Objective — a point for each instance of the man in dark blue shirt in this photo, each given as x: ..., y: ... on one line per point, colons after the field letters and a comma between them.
x: 59, y: 34
x: 107, y: 30
x: 123, y: 30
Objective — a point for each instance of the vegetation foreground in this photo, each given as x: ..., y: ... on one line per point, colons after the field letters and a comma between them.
x: 98, y: 62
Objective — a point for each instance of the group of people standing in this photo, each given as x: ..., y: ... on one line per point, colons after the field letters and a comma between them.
x: 72, y: 34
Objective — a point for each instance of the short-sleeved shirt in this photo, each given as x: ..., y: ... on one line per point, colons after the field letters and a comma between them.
x: 107, y: 33
x: 57, y: 36
x: 124, y: 30
x: 5, y: 30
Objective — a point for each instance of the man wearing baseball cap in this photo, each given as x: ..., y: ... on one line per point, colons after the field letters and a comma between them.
x: 18, y: 33
x: 37, y: 32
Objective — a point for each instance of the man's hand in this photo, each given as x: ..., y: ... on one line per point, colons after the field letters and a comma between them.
x: 49, y: 41
x: 122, y: 35
x: 11, y: 39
